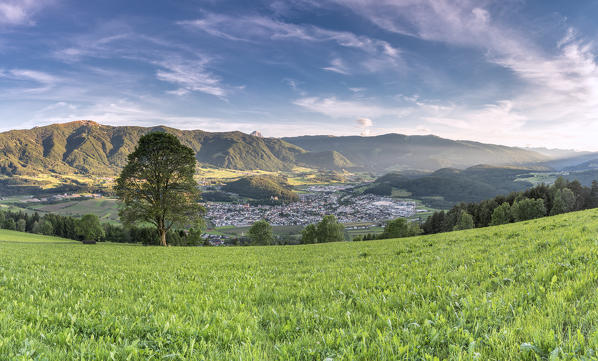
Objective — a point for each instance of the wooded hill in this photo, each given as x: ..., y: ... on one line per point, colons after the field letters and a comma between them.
x: 263, y: 188
x: 473, y: 184
x: 85, y: 147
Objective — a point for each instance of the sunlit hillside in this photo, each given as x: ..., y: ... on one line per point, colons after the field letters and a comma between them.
x: 521, y: 291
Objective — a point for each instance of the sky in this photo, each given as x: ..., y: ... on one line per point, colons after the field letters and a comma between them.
x: 514, y: 72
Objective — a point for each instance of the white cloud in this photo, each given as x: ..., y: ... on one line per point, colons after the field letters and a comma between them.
x: 347, y: 109
x: 365, y: 122
x: 337, y: 66
x: 30, y: 81
x: 190, y: 76
x: 560, y: 91
x: 259, y: 29
x: 176, y: 63
x: 34, y: 75
x: 20, y: 12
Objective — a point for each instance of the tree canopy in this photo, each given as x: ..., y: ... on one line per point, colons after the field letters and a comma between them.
x: 309, y: 234
x: 89, y: 228
x: 157, y: 185
x: 527, y: 209
x: 399, y: 228
x: 261, y: 233
x: 501, y: 215
x: 330, y: 230
x: 464, y: 221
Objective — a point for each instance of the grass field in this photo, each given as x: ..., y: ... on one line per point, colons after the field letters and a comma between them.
x: 105, y: 208
x: 524, y: 291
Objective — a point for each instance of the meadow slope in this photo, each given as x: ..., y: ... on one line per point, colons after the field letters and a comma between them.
x: 522, y: 291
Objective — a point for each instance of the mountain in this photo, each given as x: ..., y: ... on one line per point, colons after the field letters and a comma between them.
x: 328, y: 159
x: 589, y: 165
x: 587, y: 161
x: 89, y: 148
x: 558, y: 153
x: 473, y: 184
x: 401, y: 152
x: 85, y: 147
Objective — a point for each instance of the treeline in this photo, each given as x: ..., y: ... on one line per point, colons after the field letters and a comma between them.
x: 330, y: 230
x: 89, y: 228
x: 396, y: 228
x: 540, y: 201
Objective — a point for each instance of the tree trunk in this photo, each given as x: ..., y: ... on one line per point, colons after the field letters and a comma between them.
x: 163, y: 237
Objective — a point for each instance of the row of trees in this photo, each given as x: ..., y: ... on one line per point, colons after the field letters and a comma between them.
x: 89, y: 228
x: 396, y: 228
x: 543, y: 200
x: 86, y: 228
x: 327, y: 230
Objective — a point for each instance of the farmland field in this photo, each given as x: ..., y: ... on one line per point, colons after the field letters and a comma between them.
x: 105, y: 208
x: 523, y: 291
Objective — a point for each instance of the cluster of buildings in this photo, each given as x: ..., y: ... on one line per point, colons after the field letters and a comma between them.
x: 311, y: 208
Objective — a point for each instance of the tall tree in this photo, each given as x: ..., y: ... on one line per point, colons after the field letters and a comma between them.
x: 527, y: 209
x: 330, y: 230
x: 501, y: 215
x: 309, y: 234
x: 558, y: 204
x: 157, y: 185
x: 464, y: 221
x: 89, y: 228
x: 261, y: 233
x: 400, y: 227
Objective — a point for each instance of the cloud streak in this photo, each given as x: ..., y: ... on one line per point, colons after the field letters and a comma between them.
x: 177, y: 64
x: 259, y: 29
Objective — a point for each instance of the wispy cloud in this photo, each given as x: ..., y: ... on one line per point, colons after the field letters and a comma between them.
x: 349, y: 109
x: 337, y: 66
x: 190, y: 76
x: 175, y: 63
x: 30, y: 81
x: 260, y: 28
x: 560, y: 82
x: 20, y: 12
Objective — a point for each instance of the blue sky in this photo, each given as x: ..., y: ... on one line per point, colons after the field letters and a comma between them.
x: 511, y: 72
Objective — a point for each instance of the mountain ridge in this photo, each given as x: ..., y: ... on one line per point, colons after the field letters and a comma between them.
x: 393, y: 151
x: 91, y: 148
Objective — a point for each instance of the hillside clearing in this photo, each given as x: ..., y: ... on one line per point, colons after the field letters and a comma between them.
x: 521, y: 291
x: 19, y: 237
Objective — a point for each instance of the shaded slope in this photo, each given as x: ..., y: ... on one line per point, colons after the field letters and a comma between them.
x: 473, y: 184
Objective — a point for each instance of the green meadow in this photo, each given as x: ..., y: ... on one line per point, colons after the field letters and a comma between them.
x: 525, y: 291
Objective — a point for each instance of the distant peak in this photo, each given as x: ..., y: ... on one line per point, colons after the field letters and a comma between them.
x: 255, y: 133
x: 87, y: 122
x: 82, y: 123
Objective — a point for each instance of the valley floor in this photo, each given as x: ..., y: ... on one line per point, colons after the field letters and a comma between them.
x: 521, y: 291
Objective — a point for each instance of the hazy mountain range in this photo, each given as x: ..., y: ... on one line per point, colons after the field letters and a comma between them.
x: 86, y: 147
x: 427, y: 153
